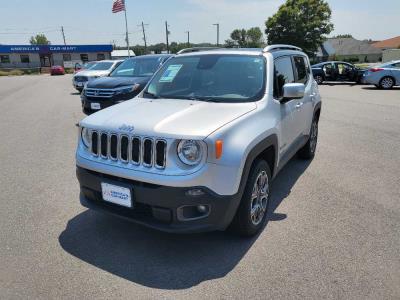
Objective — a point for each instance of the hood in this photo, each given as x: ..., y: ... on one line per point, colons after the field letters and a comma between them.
x: 115, y: 82
x: 168, y: 118
x: 91, y: 73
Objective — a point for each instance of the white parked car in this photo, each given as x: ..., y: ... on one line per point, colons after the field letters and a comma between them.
x: 198, y: 148
x: 99, y: 69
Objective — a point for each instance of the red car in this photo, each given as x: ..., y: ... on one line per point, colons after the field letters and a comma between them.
x: 57, y: 70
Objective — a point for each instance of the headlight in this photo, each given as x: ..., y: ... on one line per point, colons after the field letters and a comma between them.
x: 85, y: 134
x: 189, y: 152
x: 128, y: 89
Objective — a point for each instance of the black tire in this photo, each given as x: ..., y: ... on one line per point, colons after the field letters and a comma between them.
x: 308, y: 150
x: 319, y: 79
x: 386, y: 83
x: 243, y: 223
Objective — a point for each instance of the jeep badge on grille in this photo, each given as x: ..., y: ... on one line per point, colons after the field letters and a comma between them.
x: 127, y: 128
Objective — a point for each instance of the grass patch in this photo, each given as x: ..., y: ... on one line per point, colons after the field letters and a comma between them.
x: 19, y: 72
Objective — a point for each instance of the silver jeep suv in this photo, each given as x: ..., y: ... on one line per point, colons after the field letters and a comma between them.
x: 198, y: 148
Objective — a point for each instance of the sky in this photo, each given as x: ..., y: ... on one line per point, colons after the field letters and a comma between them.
x: 91, y: 21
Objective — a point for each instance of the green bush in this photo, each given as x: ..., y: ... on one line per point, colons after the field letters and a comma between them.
x: 19, y: 72
x: 69, y: 71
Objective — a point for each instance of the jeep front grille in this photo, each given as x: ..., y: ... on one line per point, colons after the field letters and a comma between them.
x: 148, y: 152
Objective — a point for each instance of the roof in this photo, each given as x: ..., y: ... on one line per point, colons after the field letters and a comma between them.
x: 347, y: 46
x: 122, y: 53
x: 389, y: 43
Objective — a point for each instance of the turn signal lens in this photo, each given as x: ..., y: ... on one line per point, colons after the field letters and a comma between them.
x: 218, y: 149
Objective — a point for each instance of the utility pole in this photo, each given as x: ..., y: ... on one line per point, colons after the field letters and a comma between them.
x: 166, y: 35
x: 144, y: 36
x: 188, y: 38
x: 62, y: 31
x: 217, y: 24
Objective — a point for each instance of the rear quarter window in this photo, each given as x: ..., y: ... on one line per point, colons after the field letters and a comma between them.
x: 302, y: 69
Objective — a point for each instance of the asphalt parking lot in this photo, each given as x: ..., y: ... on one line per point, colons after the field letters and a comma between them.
x: 333, y: 232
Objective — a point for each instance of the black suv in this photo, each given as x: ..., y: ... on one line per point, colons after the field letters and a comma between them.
x: 336, y: 71
x: 124, y: 83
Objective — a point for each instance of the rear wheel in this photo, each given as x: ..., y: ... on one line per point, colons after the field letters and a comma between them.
x: 319, y: 79
x: 308, y: 150
x: 252, y: 210
x: 386, y: 83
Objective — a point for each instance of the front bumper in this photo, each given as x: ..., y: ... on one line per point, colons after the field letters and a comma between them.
x: 159, y: 207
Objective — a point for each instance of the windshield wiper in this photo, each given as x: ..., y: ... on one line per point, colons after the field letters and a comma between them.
x: 150, y: 94
x: 206, y: 99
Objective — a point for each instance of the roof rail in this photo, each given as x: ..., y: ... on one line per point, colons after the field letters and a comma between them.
x: 197, y: 49
x: 281, y: 47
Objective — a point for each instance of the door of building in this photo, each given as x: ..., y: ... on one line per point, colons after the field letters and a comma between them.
x: 46, y: 60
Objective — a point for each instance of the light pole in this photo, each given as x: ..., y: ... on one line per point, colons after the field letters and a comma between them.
x: 217, y: 24
x: 188, y: 38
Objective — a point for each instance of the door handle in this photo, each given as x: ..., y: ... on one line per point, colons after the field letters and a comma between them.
x: 299, y: 105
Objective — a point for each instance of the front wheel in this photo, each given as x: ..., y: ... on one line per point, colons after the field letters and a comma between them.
x: 308, y: 150
x: 252, y: 210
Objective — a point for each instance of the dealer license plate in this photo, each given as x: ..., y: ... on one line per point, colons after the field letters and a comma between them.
x: 95, y: 105
x: 116, y: 194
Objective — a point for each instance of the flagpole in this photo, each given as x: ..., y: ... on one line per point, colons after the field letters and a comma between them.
x: 127, y: 35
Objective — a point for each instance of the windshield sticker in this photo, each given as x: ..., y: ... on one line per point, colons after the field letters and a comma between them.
x: 170, y: 73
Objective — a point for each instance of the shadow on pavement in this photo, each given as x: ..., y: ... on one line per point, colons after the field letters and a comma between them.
x: 161, y: 260
x: 374, y: 88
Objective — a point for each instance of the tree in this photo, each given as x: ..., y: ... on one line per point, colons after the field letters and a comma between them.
x: 251, y: 38
x: 303, y: 23
x: 39, y: 39
x: 254, y: 37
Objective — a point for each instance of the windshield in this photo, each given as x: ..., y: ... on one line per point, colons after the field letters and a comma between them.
x: 88, y: 65
x: 101, y: 66
x: 211, y: 77
x: 137, y: 67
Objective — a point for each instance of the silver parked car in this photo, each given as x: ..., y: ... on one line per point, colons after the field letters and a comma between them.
x: 99, y: 69
x: 198, y: 148
x: 385, y: 76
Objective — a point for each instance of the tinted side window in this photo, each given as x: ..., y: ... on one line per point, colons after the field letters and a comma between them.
x: 283, y: 74
x: 301, y: 67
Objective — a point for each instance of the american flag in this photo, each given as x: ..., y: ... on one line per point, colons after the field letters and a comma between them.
x: 118, y: 5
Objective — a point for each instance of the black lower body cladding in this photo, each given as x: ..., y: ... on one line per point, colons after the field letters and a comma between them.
x: 164, y: 208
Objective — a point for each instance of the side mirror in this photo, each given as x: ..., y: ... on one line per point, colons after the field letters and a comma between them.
x: 293, y: 91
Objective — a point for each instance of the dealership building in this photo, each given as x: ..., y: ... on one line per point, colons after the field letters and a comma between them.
x: 34, y: 56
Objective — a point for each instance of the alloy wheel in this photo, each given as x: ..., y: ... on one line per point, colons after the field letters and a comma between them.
x: 313, y: 136
x: 259, y: 198
x: 387, y: 83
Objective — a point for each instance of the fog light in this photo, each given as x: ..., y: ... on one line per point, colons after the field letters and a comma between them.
x: 202, y: 208
x: 195, y: 192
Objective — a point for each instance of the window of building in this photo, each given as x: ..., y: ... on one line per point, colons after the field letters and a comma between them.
x: 24, y: 58
x: 5, y: 59
x: 300, y: 65
x: 101, y: 56
x: 283, y: 74
x: 67, y: 57
x: 84, y: 57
